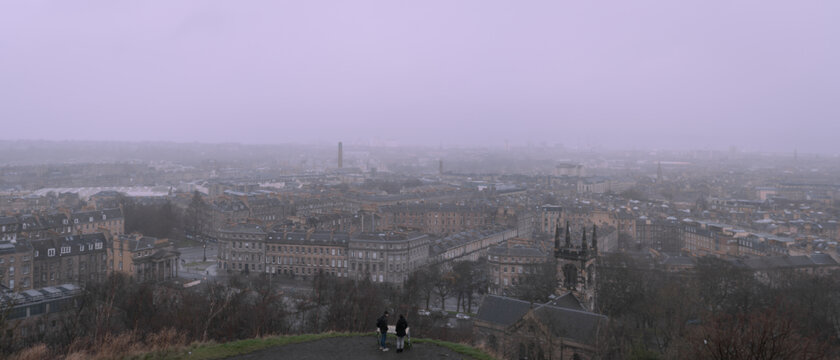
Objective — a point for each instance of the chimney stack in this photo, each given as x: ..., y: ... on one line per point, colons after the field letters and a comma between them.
x: 340, y: 156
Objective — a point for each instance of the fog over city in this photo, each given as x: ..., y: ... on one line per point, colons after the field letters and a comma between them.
x: 462, y: 179
x: 706, y: 75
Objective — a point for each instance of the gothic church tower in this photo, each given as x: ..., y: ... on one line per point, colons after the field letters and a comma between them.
x: 576, y: 266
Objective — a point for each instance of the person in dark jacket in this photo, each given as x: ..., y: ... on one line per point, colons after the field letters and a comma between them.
x: 382, y: 324
x: 402, y: 326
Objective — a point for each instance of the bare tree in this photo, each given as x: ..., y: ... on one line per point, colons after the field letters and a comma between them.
x: 220, y: 298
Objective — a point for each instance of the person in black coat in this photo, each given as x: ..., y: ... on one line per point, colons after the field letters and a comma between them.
x: 382, y: 324
x: 402, y: 326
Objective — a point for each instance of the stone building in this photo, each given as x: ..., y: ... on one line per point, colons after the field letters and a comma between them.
x: 16, y: 266
x: 222, y: 212
x: 44, y: 225
x: 144, y: 258
x: 38, y: 313
x: 576, y: 266
x: 387, y: 257
x: 659, y: 234
x: 469, y: 245
x: 306, y: 253
x: 517, y: 329
x: 90, y: 222
x: 242, y: 248
x: 550, y: 216
x: 436, y: 219
x: 8, y: 228
x: 74, y: 259
x: 512, y: 262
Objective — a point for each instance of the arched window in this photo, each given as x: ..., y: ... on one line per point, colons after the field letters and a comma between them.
x: 570, y: 276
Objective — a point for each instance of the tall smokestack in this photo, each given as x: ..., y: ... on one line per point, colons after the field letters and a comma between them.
x: 340, y: 156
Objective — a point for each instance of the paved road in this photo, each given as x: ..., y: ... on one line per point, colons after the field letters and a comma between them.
x: 194, y: 255
x: 350, y: 348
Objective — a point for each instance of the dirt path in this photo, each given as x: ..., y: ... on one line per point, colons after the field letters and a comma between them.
x: 350, y: 348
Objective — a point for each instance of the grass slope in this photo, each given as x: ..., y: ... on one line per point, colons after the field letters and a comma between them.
x: 209, y: 351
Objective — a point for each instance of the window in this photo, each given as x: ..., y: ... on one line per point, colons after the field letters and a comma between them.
x: 65, y: 249
x: 50, y: 252
x: 98, y: 245
x: 82, y: 247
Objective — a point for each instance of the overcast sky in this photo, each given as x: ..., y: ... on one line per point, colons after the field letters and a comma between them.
x: 702, y: 74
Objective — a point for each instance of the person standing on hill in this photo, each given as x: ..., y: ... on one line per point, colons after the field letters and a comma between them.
x: 401, y: 328
x: 382, y: 324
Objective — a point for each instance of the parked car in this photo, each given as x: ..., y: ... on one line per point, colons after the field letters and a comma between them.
x: 423, y: 312
x: 462, y: 316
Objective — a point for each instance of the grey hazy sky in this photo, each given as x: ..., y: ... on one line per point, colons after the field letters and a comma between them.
x: 705, y: 74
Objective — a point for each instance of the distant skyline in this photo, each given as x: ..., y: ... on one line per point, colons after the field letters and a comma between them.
x: 706, y: 75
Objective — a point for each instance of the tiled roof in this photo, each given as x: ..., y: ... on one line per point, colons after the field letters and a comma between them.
x: 502, y: 310
x: 565, y: 322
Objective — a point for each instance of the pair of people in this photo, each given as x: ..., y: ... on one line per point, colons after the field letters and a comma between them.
x: 402, y: 326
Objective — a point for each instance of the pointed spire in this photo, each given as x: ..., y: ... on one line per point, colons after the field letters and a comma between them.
x: 568, y: 236
x: 594, y: 241
x: 557, y: 238
x: 583, y: 239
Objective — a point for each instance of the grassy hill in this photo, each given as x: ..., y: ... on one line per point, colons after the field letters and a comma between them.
x: 334, y: 345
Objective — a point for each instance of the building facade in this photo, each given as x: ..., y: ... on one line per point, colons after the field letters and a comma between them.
x: 306, y: 253
x: 16, y: 266
x: 386, y: 257
x: 74, y: 259
x: 144, y: 258
x: 510, y: 263
x: 242, y: 248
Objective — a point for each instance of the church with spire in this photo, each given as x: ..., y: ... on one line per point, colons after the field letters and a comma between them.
x: 576, y: 266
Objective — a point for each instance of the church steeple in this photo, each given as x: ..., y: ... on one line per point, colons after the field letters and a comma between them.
x: 576, y: 267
